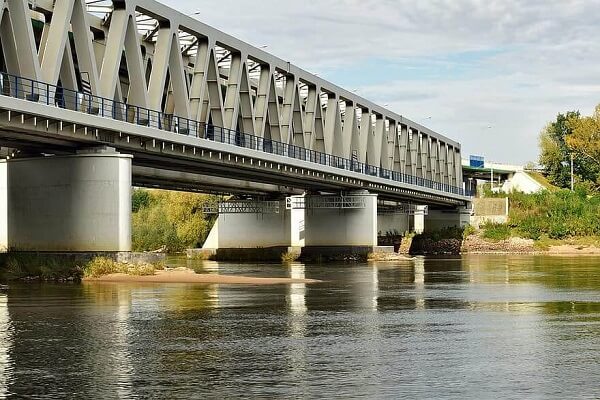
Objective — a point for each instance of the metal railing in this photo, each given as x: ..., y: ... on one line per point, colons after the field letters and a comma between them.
x: 333, y: 202
x: 52, y: 95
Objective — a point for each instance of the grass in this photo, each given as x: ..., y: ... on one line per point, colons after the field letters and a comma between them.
x: 496, y: 231
x: 101, y: 266
x: 542, y: 180
x: 468, y: 231
x: 560, y: 214
x: 545, y: 242
x: 39, y: 266
x: 47, y: 267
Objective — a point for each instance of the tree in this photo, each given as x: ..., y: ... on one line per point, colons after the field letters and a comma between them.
x: 585, y: 139
x: 170, y: 220
x: 555, y: 155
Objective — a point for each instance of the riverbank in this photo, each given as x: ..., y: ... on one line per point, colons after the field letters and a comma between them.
x: 186, y: 275
x: 477, y: 243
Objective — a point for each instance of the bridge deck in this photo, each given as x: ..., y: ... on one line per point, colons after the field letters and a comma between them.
x: 36, y: 115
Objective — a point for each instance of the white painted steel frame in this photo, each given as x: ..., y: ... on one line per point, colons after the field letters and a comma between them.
x: 179, y: 65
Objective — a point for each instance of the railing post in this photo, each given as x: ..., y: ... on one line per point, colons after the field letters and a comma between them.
x: 47, y: 94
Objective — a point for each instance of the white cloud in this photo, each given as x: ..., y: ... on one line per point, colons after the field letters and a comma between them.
x: 547, y: 63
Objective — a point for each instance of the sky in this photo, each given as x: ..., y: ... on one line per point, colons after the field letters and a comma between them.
x: 489, y: 74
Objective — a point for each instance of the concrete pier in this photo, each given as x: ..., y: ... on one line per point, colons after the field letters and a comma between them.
x: 438, y: 219
x: 392, y: 222
x: 337, y: 233
x: 73, y: 203
x: 342, y: 226
x: 251, y: 230
x: 257, y: 230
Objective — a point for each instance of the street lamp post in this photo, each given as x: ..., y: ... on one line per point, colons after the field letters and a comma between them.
x: 572, y: 177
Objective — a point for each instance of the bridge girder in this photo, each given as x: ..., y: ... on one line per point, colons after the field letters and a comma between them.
x: 153, y: 56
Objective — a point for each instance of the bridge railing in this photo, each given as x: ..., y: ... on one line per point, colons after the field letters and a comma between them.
x: 57, y: 96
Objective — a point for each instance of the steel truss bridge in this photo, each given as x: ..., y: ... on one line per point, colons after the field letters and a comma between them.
x: 201, y: 110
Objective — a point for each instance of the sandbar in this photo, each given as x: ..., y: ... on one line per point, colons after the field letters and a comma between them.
x: 181, y: 275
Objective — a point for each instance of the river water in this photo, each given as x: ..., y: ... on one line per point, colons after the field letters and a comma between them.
x: 477, y: 327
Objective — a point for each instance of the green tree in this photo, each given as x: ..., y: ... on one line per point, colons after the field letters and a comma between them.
x: 169, y: 220
x: 585, y: 141
x: 572, y: 134
x: 554, y: 152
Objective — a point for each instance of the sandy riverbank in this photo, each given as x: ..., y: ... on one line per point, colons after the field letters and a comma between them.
x: 184, y: 275
x: 572, y: 250
x: 476, y: 245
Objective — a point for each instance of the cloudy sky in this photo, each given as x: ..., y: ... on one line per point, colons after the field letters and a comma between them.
x: 489, y: 74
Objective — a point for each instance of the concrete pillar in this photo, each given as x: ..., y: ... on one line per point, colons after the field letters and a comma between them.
x: 254, y: 236
x: 250, y: 230
x: 297, y: 225
x: 393, y: 222
x: 420, y: 212
x: 342, y: 227
x: 74, y: 203
x: 438, y: 219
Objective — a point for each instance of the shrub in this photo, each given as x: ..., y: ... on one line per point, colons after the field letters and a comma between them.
x: 558, y: 214
x: 468, y: 231
x: 170, y: 221
x: 39, y: 266
x: 140, y: 198
x: 451, y: 232
x: 496, y: 231
x: 101, y: 266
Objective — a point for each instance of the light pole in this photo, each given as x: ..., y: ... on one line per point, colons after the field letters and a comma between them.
x: 572, y: 178
x: 571, y: 164
x: 491, y: 167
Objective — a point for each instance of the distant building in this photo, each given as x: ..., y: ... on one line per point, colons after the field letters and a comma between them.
x: 502, y: 177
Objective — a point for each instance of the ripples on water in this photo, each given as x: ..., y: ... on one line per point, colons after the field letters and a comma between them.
x: 472, y: 328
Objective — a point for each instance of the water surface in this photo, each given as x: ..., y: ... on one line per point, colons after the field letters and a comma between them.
x: 472, y: 328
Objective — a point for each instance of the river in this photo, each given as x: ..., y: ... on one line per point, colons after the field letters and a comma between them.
x: 477, y: 327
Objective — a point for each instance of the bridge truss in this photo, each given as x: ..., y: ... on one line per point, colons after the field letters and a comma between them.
x: 143, y: 54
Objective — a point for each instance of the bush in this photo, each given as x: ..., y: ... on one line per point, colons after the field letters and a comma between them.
x: 101, y: 266
x: 496, y: 231
x: 558, y: 215
x: 468, y: 231
x: 170, y: 221
x: 451, y: 232
x: 39, y: 266
x: 140, y: 199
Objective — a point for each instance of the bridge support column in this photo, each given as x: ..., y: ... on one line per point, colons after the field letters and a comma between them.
x: 393, y: 222
x: 439, y: 219
x: 254, y: 230
x: 420, y: 213
x: 350, y: 228
x: 74, y: 203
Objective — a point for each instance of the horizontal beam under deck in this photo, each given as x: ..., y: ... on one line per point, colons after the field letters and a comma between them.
x: 66, y: 130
